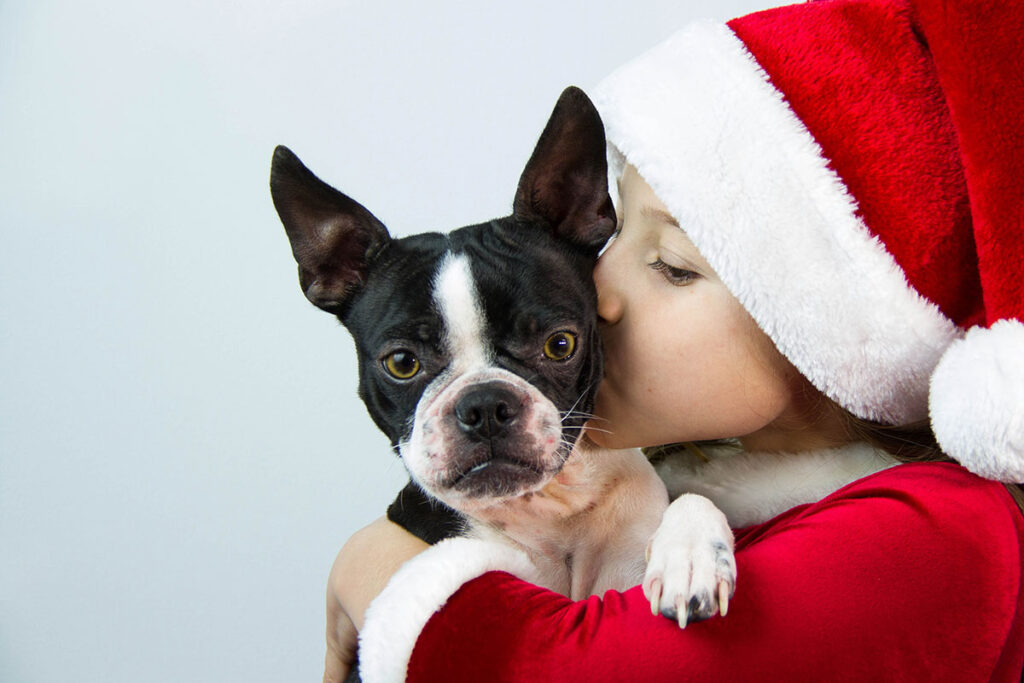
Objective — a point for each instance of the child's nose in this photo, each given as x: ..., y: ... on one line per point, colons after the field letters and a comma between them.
x: 609, y: 301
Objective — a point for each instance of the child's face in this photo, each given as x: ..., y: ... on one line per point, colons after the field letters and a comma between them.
x: 683, y: 359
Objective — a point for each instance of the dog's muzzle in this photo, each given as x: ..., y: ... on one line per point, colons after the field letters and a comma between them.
x: 486, y: 435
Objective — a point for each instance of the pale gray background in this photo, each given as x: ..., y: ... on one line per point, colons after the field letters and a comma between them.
x: 181, y: 449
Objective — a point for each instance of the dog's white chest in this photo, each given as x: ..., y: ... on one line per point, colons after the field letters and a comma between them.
x: 586, y: 531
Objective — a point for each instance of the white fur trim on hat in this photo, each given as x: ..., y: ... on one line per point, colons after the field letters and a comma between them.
x: 718, y: 144
x: 420, y: 588
x: 977, y: 401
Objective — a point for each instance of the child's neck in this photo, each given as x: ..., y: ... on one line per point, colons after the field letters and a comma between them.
x: 812, y: 423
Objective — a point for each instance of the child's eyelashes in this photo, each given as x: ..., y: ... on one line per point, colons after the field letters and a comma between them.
x: 676, y: 276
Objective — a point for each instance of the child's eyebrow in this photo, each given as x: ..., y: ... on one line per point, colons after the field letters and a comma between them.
x: 659, y: 215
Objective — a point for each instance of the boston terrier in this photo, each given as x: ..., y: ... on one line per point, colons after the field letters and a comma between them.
x: 479, y: 358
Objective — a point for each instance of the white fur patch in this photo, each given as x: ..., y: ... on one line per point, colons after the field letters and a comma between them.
x: 457, y: 301
x: 977, y: 401
x: 705, y: 128
x: 751, y: 488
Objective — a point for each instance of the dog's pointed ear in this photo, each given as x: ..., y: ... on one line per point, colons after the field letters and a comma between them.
x: 333, y: 237
x: 565, y: 183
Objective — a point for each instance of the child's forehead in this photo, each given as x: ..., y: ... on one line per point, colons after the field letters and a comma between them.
x: 635, y: 191
x: 657, y: 214
x: 643, y: 200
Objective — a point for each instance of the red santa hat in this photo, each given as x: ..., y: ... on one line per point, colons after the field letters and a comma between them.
x: 854, y: 172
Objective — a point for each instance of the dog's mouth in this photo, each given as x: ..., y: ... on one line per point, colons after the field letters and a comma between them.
x: 495, y: 475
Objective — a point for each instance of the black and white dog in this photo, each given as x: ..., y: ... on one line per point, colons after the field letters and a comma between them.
x: 479, y: 358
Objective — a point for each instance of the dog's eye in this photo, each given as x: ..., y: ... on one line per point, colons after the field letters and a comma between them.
x: 401, y: 364
x: 560, y: 345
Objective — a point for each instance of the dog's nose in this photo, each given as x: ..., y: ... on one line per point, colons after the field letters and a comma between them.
x: 487, y: 411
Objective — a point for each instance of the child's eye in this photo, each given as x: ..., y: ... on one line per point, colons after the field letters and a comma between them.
x: 676, y: 276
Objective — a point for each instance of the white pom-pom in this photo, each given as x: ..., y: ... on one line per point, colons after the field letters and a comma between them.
x: 977, y: 401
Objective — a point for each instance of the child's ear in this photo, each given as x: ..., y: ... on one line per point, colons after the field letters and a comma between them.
x: 565, y: 183
x: 333, y: 237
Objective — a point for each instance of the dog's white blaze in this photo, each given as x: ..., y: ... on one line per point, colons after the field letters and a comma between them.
x: 458, y: 303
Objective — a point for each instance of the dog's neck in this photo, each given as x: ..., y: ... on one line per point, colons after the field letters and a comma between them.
x: 753, y: 487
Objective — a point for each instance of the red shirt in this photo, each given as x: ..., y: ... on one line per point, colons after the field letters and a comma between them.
x: 910, y: 574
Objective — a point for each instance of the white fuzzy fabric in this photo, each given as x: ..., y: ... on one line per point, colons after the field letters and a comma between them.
x: 420, y: 588
x: 751, y: 488
x: 977, y: 401
x: 705, y: 128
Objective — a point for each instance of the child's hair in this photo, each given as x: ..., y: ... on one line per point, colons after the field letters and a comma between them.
x: 913, y: 442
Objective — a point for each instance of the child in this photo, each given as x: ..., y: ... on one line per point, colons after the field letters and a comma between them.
x: 816, y: 202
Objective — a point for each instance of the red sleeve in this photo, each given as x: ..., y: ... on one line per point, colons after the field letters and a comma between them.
x: 913, y: 573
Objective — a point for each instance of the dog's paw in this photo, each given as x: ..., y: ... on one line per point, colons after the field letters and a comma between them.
x: 691, y: 571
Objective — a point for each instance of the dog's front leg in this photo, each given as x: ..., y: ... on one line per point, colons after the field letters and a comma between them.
x: 691, y: 571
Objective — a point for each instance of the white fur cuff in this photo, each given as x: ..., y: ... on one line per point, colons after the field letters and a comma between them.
x: 977, y: 401
x: 420, y: 588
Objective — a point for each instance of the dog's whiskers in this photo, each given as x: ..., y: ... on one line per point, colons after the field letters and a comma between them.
x: 591, y: 429
x: 568, y: 414
x: 578, y: 399
x: 582, y: 415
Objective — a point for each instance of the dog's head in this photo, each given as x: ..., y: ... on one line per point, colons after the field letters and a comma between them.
x: 478, y: 349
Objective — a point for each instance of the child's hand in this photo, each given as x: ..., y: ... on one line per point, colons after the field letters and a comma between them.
x: 360, y: 572
x: 341, y: 641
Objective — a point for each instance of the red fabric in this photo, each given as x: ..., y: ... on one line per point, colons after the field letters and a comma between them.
x: 859, y: 76
x: 978, y: 48
x: 910, y: 574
